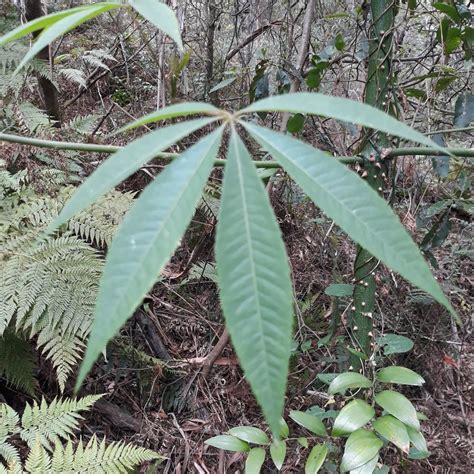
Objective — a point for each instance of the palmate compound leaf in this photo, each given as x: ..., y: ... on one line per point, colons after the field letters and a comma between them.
x: 146, y: 241
x: 124, y: 163
x: 353, y: 205
x: 254, y: 281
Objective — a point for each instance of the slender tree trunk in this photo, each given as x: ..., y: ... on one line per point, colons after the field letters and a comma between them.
x: 303, y: 48
x: 377, y: 94
x: 211, y: 27
x: 49, y: 95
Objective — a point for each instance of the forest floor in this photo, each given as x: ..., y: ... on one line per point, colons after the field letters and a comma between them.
x: 175, y: 405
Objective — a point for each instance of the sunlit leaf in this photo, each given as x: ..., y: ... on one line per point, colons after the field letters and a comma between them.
x: 146, y: 241
x: 394, y: 431
x: 250, y: 434
x: 228, y: 443
x: 352, y: 417
x: 254, y: 279
x: 278, y: 453
x: 316, y: 459
x: 399, y: 406
x: 310, y: 422
x: 400, y: 375
x: 353, y: 205
x: 255, y: 460
x: 348, y: 380
x: 361, y: 447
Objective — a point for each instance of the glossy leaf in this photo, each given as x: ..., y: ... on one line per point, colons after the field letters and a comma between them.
x: 146, y: 240
x: 394, y: 431
x: 38, y: 24
x: 64, y: 25
x: 124, y: 163
x: 161, y: 16
x: 361, y: 447
x: 395, y: 344
x: 367, y: 468
x: 399, y: 406
x: 316, y: 459
x: 278, y: 453
x: 255, y: 460
x: 418, y: 440
x: 400, y: 375
x: 341, y: 109
x: 250, y: 434
x: 283, y: 429
x: 254, y: 281
x: 228, y: 443
x: 310, y: 422
x: 348, y: 380
x: 353, y: 205
x: 176, y: 110
x: 352, y: 417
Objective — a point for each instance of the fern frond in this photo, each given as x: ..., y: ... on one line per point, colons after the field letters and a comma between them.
x: 46, y: 423
x: 38, y: 459
x: 33, y: 118
x: 17, y: 363
x: 83, y: 125
x: 74, y: 75
x: 9, y: 421
x: 96, y: 58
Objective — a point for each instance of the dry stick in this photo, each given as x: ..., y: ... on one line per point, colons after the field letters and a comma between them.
x: 215, y: 353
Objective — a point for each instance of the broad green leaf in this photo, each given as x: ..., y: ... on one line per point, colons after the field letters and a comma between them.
x: 395, y: 344
x: 316, y: 459
x: 65, y: 25
x: 341, y: 109
x: 339, y: 289
x: 352, y: 417
x: 416, y: 454
x: 161, y: 16
x: 418, y: 440
x: 254, y: 281
x: 367, y: 468
x: 228, y: 443
x: 400, y: 375
x: 295, y: 123
x: 310, y: 422
x: 353, y: 205
x: 394, y: 431
x: 38, y: 24
x: 348, y: 380
x: 399, y: 406
x: 146, y: 240
x: 255, y: 460
x: 278, y: 453
x: 361, y: 447
x: 175, y: 110
x: 250, y: 434
x: 124, y: 163
x: 450, y: 10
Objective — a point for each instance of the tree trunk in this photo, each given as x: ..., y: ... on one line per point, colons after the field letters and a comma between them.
x: 49, y: 95
x: 379, y: 78
x: 211, y: 26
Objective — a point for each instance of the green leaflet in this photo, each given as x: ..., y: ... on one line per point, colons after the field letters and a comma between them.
x: 308, y: 421
x: 278, y: 453
x: 146, y: 240
x: 394, y: 431
x: 361, y: 447
x: 228, y: 443
x: 254, y: 281
x: 399, y: 406
x: 175, y: 110
x: 400, y: 375
x: 65, y: 24
x: 161, y: 16
x: 250, y: 434
x: 316, y: 459
x: 347, y: 380
x: 255, y: 460
x: 122, y: 164
x: 353, y: 205
x: 341, y: 109
x: 352, y: 417
x: 38, y: 24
